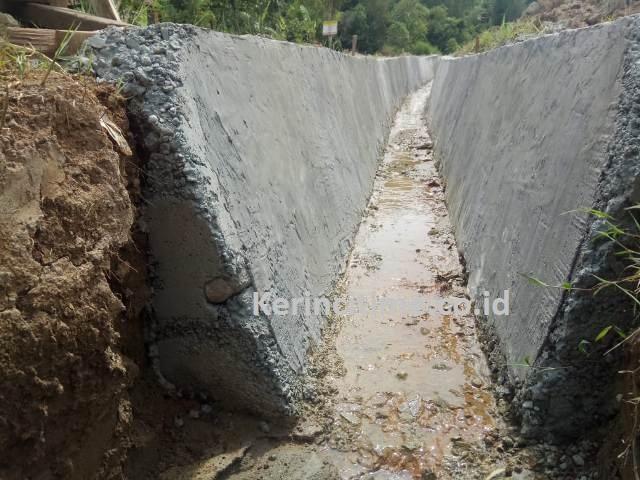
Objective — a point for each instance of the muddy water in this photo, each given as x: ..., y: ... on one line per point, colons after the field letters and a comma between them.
x: 414, y: 378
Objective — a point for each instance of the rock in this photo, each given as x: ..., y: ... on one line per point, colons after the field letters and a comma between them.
x: 578, y: 460
x: 507, y: 442
x: 350, y: 417
x: 402, y: 375
x: 206, y: 469
x: 533, y: 9
x: 264, y: 427
x: 497, y: 473
x: 523, y: 475
x: 441, y: 366
x: 96, y: 42
x: 132, y: 42
x: 307, y: 432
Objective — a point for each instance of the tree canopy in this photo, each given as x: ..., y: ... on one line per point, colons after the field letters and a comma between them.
x: 382, y: 26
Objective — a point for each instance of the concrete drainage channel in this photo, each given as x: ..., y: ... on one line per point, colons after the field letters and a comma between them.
x: 260, y: 159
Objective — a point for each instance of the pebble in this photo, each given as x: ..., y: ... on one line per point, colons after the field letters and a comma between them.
x: 578, y: 460
x: 96, y: 42
x: 507, y: 442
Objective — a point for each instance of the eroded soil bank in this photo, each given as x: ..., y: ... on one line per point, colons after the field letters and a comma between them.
x: 68, y: 270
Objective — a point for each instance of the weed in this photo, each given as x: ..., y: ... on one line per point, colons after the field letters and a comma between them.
x: 58, y: 53
x: 507, y: 32
x: 628, y: 243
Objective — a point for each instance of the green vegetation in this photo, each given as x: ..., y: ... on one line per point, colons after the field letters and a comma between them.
x: 382, y: 26
x: 495, y: 37
x: 628, y: 243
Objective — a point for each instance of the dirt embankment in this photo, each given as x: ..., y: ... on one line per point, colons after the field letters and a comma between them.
x: 580, y: 13
x: 65, y: 253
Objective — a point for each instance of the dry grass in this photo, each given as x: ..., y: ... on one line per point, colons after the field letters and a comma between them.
x: 508, y: 32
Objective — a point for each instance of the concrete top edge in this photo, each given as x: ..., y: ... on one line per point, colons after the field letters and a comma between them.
x: 188, y: 31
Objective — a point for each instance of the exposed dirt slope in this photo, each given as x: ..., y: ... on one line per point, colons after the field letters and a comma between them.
x: 65, y: 214
x: 580, y: 13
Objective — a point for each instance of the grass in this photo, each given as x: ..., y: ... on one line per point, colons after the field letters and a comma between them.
x: 628, y: 243
x: 508, y: 32
x: 132, y: 12
x: 58, y: 53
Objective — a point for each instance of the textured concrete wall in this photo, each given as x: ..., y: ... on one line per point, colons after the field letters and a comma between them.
x: 261, y: 157
x: 524, y: 134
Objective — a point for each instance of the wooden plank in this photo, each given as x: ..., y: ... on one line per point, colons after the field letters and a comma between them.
x: 46, y: 40
x: 41, y: 39
x: 60, y: 18
x: 105, y: 8
x: 56, y: 3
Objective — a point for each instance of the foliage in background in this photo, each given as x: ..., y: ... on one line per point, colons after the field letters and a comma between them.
x: 505, y: 34
x: 383, y: 26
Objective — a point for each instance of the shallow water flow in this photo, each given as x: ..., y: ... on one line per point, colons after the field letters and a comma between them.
x: 415, y: 379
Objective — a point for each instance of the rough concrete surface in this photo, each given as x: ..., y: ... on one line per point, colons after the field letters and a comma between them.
x: 525, y: 134
x: 261, y: 157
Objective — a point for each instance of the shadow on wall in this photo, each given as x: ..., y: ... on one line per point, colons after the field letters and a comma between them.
x: 525, y: 134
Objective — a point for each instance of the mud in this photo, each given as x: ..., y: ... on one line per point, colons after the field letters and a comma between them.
x: 65, y: 223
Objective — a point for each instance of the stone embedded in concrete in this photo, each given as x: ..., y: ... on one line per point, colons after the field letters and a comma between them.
x: 525, y: 134
x: 260, y: 159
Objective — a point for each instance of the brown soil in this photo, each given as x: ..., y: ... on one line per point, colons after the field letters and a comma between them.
x: 65, y: 252
x: 619, y: 457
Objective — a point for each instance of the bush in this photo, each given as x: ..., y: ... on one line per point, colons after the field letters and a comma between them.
x: 498, y: 36
x: 423, y: 48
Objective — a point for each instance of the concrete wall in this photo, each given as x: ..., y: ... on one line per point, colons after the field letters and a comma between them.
x: 524, y: 134
x: 261, y: 157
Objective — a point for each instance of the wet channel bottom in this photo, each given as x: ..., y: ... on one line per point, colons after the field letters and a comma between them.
x: 414, y: 381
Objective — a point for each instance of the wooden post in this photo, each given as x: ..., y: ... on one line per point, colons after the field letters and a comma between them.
x: 354, y: 44
x: 477, y: 49
x: 46, y: 40
x: 59, y: 18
